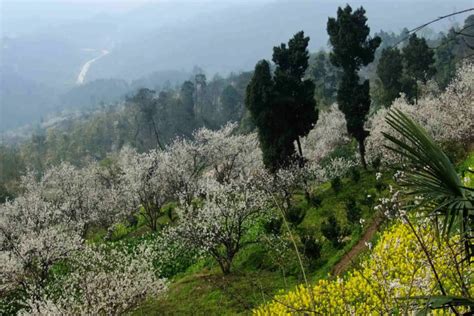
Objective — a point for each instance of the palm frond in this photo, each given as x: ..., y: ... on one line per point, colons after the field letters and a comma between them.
x: 430, y: 175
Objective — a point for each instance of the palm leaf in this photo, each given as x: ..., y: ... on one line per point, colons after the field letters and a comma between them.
x: 431, y: 175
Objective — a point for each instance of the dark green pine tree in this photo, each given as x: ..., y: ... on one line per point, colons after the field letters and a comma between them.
x: 187, y: 96
x: 294, y: 93
x: 390, y: 72
x: 352, y: 48
x: 259, y: 100
x: 418, y: 60
x: 446, y: 58
x: 283, y: 107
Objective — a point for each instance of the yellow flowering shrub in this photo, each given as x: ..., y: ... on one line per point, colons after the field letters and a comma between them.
x: 396, y: 269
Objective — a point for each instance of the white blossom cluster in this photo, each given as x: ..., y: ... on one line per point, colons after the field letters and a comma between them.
x: 448, y: 117
x: 229, y: 155
x: 144, y: 177
x: 108, y: 281
x: 336, y: 167
x: 330, y: 132
x: 391, y: 206
x: 177, y: 173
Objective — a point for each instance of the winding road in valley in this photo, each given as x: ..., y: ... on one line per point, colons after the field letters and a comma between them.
x: 85, y: 68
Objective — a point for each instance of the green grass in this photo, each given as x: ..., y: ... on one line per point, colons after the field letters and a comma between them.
x: 210, y: 293
x: 333, y: 203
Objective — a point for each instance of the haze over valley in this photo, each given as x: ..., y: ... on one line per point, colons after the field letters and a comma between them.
x: 53, y: 50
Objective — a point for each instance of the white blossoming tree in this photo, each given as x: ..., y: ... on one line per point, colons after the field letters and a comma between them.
x: 34, y: 235
x: 229, y: 155
x: 219, y: 155
x: 46, y: 225
x: 143, y: 176
x: 102, y: 280
x: 183, y: 166
x: 218, y: 224
x: 329, y: 133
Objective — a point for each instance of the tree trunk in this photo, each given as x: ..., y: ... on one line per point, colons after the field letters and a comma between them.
x: 153, y: 226
x: 301, y: 164
x: 152, y: 220
x: 299, y: 147
x: 225, y: 265
x: 156, y: 135
x: 362, y: 154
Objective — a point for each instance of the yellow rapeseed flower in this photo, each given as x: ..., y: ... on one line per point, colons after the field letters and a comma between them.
x: 397, y: 268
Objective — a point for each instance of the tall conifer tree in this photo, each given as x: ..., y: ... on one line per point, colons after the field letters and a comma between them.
x: 352, y: 49
x: 390, y: 72
x: 283, y: 107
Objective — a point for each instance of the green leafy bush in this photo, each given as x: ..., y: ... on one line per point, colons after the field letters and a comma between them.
x: 311, y: 247
x: 295, y: 215
x: 316, y: 200
x: 380, y: 186
x: 332, y: 231
x: 353, y: 210
x: 336, y: 184
x: 376, y: 163
x: 273, y: 226
x: 370, y: 197
x: 355, y: 174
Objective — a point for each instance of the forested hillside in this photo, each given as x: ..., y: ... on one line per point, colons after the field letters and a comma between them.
x: 333, y: 182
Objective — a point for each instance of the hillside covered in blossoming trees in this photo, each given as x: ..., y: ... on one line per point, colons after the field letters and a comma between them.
x: 332, y: 183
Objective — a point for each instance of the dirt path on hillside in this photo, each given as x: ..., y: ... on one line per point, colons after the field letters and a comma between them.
x: 348, y: 258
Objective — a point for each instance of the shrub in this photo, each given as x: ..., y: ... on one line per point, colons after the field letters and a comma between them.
x: 353, y: 210
x: 355, y: 174
x: 316, y: 200
x: 273, y: 226
x: 332, y: 231
x: 170, y: 211
x: 376, y: 163
x: 344, y: 152
x: 336, y: 184
x: 370, y: 197
x: 132, y: 221
x: 380, y: 186
x: 295, y: 215
x: 311, y: 247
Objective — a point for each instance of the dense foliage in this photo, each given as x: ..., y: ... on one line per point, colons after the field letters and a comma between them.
x: 283, y: 106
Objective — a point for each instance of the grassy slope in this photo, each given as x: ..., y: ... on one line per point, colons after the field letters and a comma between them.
x: 203, y: 290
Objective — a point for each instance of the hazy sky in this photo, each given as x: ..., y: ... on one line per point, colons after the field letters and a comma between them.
x: 19, y: 16
x: 24, y: 16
